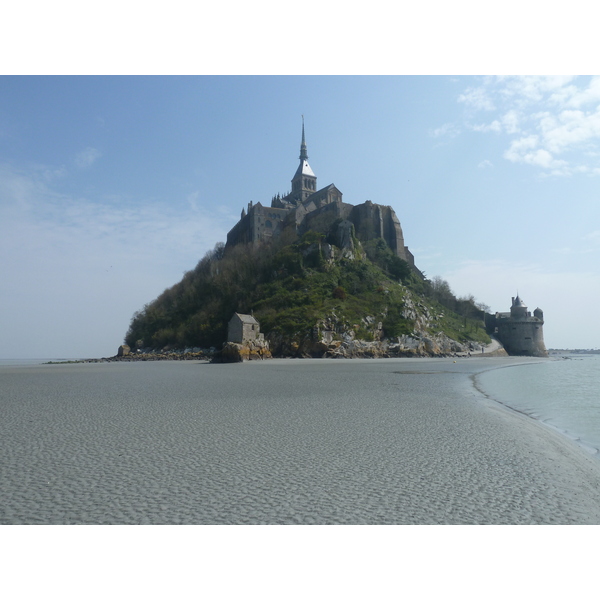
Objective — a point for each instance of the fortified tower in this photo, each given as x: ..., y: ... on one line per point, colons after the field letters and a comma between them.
x: 520, y: 332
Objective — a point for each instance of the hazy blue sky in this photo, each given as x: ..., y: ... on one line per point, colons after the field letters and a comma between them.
x: 112, y: 187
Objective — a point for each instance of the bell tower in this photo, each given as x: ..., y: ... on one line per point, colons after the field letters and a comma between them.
x: 304, y: 182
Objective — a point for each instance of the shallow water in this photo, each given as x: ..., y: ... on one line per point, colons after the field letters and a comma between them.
x: 563, y: 393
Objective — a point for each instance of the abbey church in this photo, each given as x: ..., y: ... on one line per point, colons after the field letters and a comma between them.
x: 308, y: 208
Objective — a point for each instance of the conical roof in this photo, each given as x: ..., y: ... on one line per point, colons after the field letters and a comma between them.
x: 519, y: 302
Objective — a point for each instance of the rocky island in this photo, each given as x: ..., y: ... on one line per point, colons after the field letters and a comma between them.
x: 320, y: 278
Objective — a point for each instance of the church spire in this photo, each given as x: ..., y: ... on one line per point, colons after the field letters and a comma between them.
x: 303, y: 154
x: 304, y: 182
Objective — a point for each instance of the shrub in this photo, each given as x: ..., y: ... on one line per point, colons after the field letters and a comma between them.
x: 339, y: 293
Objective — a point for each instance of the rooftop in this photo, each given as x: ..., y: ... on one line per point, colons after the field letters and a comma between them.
x: 304, y: 169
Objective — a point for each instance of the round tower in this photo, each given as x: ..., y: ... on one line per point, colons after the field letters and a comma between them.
x: 520, y: 333
x: 518, y: 310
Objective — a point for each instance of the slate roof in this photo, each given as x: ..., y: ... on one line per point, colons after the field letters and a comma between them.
x: 519, y: 302
x: 248, y: 319
x: 304, y: 169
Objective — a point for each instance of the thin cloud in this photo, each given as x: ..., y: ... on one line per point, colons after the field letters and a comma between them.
x: 530, y: 89
x: 493, y: 126
x: 30, y: 203
x: 510, y: 121
x: 574, y: 97
x: 552, y: 123
x: 446, y: 130
x: 566, y: 251
x: 477, y: 98
x: 86, y: 264
x: 87, y: 157
x: 593, y: 236
x: 569, y: 129
x: 23, y: 188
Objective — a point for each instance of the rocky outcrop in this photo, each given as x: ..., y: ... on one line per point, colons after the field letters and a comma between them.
x: 342, y: 235
x: 334, y: 339
x: 151, y: 355
x: 123, y: 350
x: 401, y: 347
x: 373, y: 221
x: 232, y: 352
x: 404, y: 346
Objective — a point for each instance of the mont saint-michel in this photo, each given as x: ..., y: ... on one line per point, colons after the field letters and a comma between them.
x: 324, y: 277
x: 307, y: 208
x: 311, y: 275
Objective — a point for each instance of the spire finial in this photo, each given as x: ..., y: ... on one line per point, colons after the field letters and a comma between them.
x: 303, y: 154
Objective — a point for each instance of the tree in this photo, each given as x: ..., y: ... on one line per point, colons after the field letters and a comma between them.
x: 441, y: 291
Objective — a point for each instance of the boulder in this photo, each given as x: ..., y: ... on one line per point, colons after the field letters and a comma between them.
x: 254, y: 350
x: 232, y: 352
x: 124, y: 350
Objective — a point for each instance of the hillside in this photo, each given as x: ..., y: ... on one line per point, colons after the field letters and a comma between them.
x: 313, y: 296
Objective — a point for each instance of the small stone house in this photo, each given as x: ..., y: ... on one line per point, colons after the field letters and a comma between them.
x: 243, y: 329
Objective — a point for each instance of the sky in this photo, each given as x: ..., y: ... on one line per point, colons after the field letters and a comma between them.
x: 112, y: 187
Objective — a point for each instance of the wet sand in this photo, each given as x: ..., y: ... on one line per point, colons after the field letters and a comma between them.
x: 395, y: 441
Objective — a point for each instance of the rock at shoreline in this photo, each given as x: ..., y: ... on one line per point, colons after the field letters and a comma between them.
x: 124, y: 350
x: 255, y: 350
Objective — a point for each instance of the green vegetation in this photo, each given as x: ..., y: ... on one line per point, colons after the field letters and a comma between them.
x: 294, y: 285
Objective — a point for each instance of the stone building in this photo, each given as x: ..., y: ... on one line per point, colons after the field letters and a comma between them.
x: 308, y: 208
x: 243, y: 329
x: 520, y: 332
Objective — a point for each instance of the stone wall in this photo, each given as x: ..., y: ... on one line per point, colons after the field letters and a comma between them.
x: 259, y: 224
x: 371, y: 221
x: 323, y: 218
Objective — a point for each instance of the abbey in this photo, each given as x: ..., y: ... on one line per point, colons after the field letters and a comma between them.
x: 521, y: 333
x: 308, y: 208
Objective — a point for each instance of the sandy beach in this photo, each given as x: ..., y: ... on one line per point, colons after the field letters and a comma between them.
x: 392, y: 441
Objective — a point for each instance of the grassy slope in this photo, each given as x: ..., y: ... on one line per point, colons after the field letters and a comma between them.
x: 293, y: 287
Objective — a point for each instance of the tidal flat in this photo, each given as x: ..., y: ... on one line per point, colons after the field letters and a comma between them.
x: 388, y: 441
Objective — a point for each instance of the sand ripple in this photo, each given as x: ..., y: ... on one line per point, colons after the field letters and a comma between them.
x: 280, y: 442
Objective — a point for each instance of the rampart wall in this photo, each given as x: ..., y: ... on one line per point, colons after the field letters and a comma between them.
x: 371, y: 221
